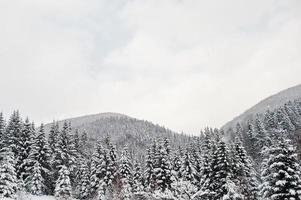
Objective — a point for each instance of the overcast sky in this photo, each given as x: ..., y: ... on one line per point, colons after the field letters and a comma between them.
x: 184, y: 64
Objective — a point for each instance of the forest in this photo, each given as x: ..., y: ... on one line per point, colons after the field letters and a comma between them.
x: 257, y: 159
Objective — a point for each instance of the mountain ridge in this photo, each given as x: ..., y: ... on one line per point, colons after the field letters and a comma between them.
x: 272, y: 102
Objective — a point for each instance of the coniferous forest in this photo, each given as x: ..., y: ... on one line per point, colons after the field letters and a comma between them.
x: 259, y: 159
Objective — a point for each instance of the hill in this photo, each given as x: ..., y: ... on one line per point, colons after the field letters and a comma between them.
x: 270, y: 103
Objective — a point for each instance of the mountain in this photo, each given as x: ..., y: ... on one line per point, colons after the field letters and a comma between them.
x: 122, y: 130
x: 270, y: 103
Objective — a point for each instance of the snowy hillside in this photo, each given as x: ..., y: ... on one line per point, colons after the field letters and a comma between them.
x: 122, y: 129
x: 272, y: 102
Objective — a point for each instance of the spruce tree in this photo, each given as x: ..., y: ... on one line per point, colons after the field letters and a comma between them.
x: 63, y: 185
x: 83, y: 181
x: 281, y: 175
x: 2, y: 131
x: 162, y: 170
x: 53, y: 136
x: 35, y: 183
x: 41, y: 153
x: 125, y: 172
x: 13, y: 133
x: 8, y: 177
x: 26, y: 143
x: 244, y: 172
x: 221, y: 180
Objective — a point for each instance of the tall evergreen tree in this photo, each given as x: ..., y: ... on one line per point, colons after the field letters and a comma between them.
x: 35, y: 183
x: 41, y: 153
x: 281, y: 175
x: 126, y: 173
x: 63, y: 188
x: 26, y: 142
x: 53, y: 136
x: 8, y: 177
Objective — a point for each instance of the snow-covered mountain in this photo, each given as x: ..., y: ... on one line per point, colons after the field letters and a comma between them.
x: 272, y: 102
x: 122, y: 129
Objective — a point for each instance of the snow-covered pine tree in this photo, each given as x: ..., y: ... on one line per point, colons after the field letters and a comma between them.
x: 269, y: 120
x: 35, y: 183
x: 188, y: 171
x: 13, y: 133
x: 125, y: 172
x: 206, y: 164
x: 162, y: 170
x: 149, y: 171
x: 26, y: 142
x: 281, y: 175
x: 63, y: 185
x: 284, y: 121
x: 138, y: 182
x: 41, y: 153
x: 221, y: 183
x: 64, y: 154
x: 244, y: 173
x: 76, y: 141
x: 176, y: 164
x: 292, y: 114
x: 2, y: 130
x: 8, y: 176
x: 84, y: 143
x: 101, y: 177
x: 83, y: 181
x: 53, y: 136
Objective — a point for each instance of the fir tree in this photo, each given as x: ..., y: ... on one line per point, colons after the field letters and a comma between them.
x: 221, y: 184
x: 244, y: 173
x: 8, y: 176
x: 125, y: 172
x: 26, y: 143
x: 138, y: 181
x: 41, y: 153
x: 35, y: 183
x: 53, y: 136
x: 162, y: 170
x: 63, y: 185
x: 281, y: 175
x: 83, y: 186
x: 13, y: 134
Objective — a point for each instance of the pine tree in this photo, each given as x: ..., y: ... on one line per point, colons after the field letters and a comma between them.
x: 13, y: 134
x: 244, y: 173
x: 83, y: 186
x: 221, y: 184
x: 162, y: 170
x: 188, y: 171
x: 64, y: 154
x: 53, y: 136
x: 26, y: 143
x: 149, y: 170
x: 2, y: 131
x: 35, y: 183
x: 101, y: 177
x: 63, y: 185
x: 125, y: 172
x: 8, y: 176
x: 138, y: 181
x: 281, y: 177
x: 41, y: 153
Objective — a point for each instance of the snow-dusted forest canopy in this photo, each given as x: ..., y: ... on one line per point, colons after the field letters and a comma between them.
x: 256, y: 159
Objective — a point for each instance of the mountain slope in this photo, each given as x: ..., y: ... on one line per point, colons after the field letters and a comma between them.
x: 272, y: 102
x: 122, y: 130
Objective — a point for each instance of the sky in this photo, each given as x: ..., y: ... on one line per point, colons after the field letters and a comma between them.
x: 184, y: 64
